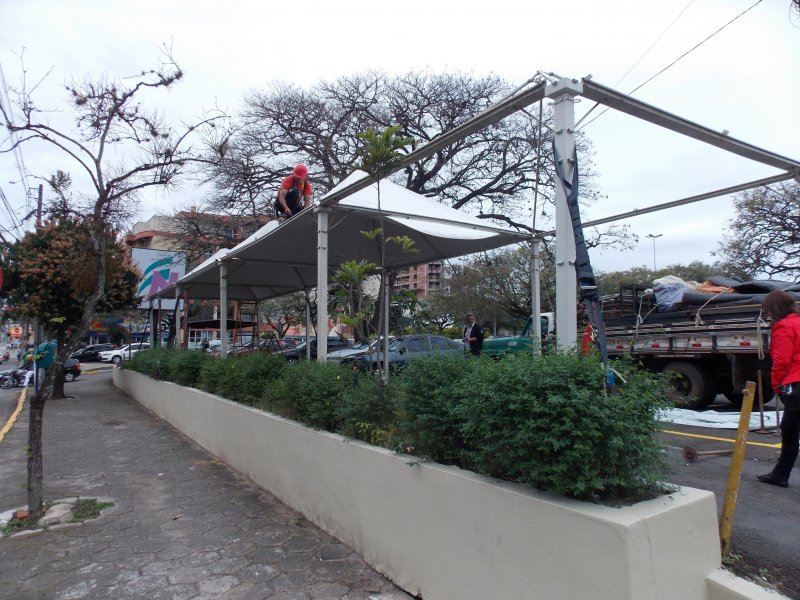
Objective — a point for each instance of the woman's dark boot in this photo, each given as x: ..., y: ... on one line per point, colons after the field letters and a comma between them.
x: 773, y: 479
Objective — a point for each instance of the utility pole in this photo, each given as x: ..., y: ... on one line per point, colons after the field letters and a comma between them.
x: 39, y: 206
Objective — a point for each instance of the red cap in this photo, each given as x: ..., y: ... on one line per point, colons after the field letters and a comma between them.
x: 301, y: 171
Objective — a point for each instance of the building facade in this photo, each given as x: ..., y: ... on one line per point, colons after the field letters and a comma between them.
x: 419, y: 279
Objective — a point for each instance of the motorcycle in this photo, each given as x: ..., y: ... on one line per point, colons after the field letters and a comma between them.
x: 11, y: 378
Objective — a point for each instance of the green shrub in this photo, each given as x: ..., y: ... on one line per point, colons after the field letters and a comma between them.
x: 430, y: 393
x: 541, y: 420
x: 155, y: 362
x: 546, y: 421
x: 185, y: 366
x: 215, y: 376
x: 310, y: 392
x: 249, y: 374
x: 368, y: 412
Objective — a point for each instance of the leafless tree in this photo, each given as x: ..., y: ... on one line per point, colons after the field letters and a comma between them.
x: 199, y: 234
x: 764, y: 234
x: 118, y: 148
x: 284, y: 312
x: 491, y: 173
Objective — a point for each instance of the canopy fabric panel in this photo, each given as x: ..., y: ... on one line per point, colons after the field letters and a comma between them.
x: 282, y: 258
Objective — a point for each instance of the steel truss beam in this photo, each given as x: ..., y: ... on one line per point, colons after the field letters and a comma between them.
x: 637, y: 108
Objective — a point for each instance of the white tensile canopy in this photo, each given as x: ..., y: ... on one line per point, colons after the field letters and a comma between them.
x: 282, y: 258
x: 279, y: 259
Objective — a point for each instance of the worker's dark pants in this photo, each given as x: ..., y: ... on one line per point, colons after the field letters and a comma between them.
x: 790, y: 437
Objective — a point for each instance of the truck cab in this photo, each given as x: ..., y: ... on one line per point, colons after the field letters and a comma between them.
x: 499, y: 346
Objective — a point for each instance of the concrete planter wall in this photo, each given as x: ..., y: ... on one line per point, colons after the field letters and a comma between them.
x: 445, y: 533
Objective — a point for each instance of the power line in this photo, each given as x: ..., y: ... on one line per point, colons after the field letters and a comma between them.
x: 692, y: 49
x: 14, y: 221
x: 651, y: 46
x: 5, y: 102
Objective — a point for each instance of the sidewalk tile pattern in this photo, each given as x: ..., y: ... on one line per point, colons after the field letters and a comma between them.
x: 184, y: 525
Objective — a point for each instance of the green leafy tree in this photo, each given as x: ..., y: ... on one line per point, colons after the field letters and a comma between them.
x: 350, y: 298
x: 403, y: 311
x: 49, y: 278
x: 380, y: 155
x: 496, y: 286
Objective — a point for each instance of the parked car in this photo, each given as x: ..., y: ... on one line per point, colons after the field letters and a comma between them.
x: 72, y: 369
x: 299, y: 351
x: 117, y: 356
x: 272, y: 345
x: 15, y: 377
x: 92, y: 352
x: 346, y: 355
x: 409, y: 347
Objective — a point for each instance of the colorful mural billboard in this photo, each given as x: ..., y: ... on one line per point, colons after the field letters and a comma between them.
x: 159, y: 268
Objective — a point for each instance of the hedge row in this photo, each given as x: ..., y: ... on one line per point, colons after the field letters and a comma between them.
x: 541, y: 420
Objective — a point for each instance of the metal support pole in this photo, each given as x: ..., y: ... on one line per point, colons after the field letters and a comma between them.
x: 223, y: 310
x: 322, y: 283
x: 152, y: 324
x: 563, y: 93
x: 178, y: 328
x: 308, y: 325
x: 536, y: 300
x: 158, y: 332
x: 386, y: 299
x: 653, y: 237
x: 185, y: 318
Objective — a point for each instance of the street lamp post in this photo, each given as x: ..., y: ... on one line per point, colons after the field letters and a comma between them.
x: 653, y: 237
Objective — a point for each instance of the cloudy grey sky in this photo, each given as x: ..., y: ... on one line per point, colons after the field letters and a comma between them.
x: 745, y: 79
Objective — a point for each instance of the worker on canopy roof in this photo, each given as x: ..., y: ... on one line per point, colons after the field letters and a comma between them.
x: 294, y: 194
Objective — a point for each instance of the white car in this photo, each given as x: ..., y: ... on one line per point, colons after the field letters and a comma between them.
x: 116, y: 356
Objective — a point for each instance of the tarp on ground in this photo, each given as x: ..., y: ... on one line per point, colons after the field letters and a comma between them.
x: 282, y: 258
x: 716, y: 420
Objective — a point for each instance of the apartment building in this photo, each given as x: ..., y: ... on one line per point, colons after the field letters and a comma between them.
x: 420, y: 279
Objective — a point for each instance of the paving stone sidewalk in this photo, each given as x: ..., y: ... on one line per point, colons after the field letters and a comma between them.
x: 184, y: 526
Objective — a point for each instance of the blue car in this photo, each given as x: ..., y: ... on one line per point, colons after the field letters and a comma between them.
x: 409, y: 347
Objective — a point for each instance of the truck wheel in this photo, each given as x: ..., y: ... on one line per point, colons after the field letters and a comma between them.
x: 737, y: 398
x: 690, y: 387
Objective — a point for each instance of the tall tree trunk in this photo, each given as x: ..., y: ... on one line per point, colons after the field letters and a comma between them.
x: 35, y: 471
x: 58, y: 382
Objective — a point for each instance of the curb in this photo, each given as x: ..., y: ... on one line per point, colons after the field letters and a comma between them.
x: 13, y: 418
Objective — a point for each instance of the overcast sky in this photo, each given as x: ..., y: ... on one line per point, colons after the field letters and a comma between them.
x: 745, y: 79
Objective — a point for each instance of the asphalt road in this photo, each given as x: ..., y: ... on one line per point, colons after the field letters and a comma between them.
x: 766, y: 527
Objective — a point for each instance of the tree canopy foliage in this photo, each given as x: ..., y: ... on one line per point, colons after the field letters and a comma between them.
x: 609, y: 283
x: 494, y: 285
x: 764, y: 235
x: 49, y: 275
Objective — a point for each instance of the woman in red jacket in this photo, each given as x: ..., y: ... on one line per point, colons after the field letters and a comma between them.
x: 784, y: 350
